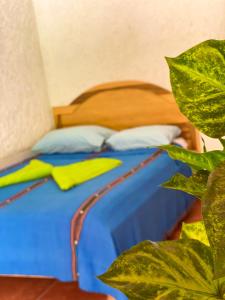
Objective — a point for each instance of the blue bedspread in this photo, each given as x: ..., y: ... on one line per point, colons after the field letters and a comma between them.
x: 35, y: 228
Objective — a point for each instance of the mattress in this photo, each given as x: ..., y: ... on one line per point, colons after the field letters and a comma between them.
x: 77, y: 234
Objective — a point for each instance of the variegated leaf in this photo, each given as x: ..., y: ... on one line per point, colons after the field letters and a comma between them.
x: 195, y: 231
x: 198, y: 83
x: 222, y: 141
x: 194, y: 185
x: 199, y: 161
x: 166, y: 270
x: 214, y: 216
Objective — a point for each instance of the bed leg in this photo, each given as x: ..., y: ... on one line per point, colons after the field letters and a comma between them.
x: 194, y: 215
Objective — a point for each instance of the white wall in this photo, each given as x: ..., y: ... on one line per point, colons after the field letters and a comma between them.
x: 86, y: 42
x: 25, y: 112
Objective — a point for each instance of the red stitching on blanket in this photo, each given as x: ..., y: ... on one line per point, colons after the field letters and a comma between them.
x: 17, y: 164
x: 35, y: 185
x: 23, y: 192
x: 80, y: 215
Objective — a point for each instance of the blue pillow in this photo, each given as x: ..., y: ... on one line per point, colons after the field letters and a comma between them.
x: 143, y: 137
x: 87, y: 138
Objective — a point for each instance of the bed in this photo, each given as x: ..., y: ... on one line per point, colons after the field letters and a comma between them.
x: 75, y: 235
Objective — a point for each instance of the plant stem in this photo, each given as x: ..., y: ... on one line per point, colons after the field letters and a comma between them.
x: 204, y: 146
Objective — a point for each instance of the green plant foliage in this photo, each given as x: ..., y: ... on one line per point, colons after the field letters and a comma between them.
x: 165, y: 270
x: 214, y: 216
x: 198, y: 161
x: 194, y: 185
x: 222, y: 141
x: 203, y: 145
x: 188, y: 269
x: 198, y: 83
x: 195, y: 231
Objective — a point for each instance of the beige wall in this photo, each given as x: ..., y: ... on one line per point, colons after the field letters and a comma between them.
x: 86, y: 42
x: 24, y: 106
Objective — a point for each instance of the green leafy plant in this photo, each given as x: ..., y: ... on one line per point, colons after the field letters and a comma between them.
x: 193, y: 267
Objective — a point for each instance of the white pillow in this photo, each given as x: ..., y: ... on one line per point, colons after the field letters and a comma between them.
x: 143, y: 137
x: 87, y: 138
x: 181, y: 141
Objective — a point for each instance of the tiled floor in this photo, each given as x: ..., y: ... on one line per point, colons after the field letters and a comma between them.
x: 43, y: 289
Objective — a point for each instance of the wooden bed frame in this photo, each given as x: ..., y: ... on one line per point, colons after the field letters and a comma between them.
x: 121, y: 105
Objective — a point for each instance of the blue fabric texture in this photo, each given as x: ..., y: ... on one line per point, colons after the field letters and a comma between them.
x: 35, y: 229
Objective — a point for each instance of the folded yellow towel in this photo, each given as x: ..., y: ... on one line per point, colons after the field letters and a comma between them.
x: 68, y: 176
x: 36, y: 169
x: 65, y: 176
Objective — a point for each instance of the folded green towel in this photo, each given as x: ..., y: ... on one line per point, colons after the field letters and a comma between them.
x: 36, y: 169
x: 68, y: 176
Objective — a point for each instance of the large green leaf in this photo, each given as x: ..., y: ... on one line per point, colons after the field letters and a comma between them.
x: 198, y: 83
x: 195, y: 231
x: 199, y: 161
x: 214, y: 217
x: 194, y: 185
x: 222, y: 141
x: 166, y: 270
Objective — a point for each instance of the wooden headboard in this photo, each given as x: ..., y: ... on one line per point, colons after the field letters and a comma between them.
x: 121, y: 105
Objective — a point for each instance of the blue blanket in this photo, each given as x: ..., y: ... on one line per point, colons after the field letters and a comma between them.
x: 36, y: 218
